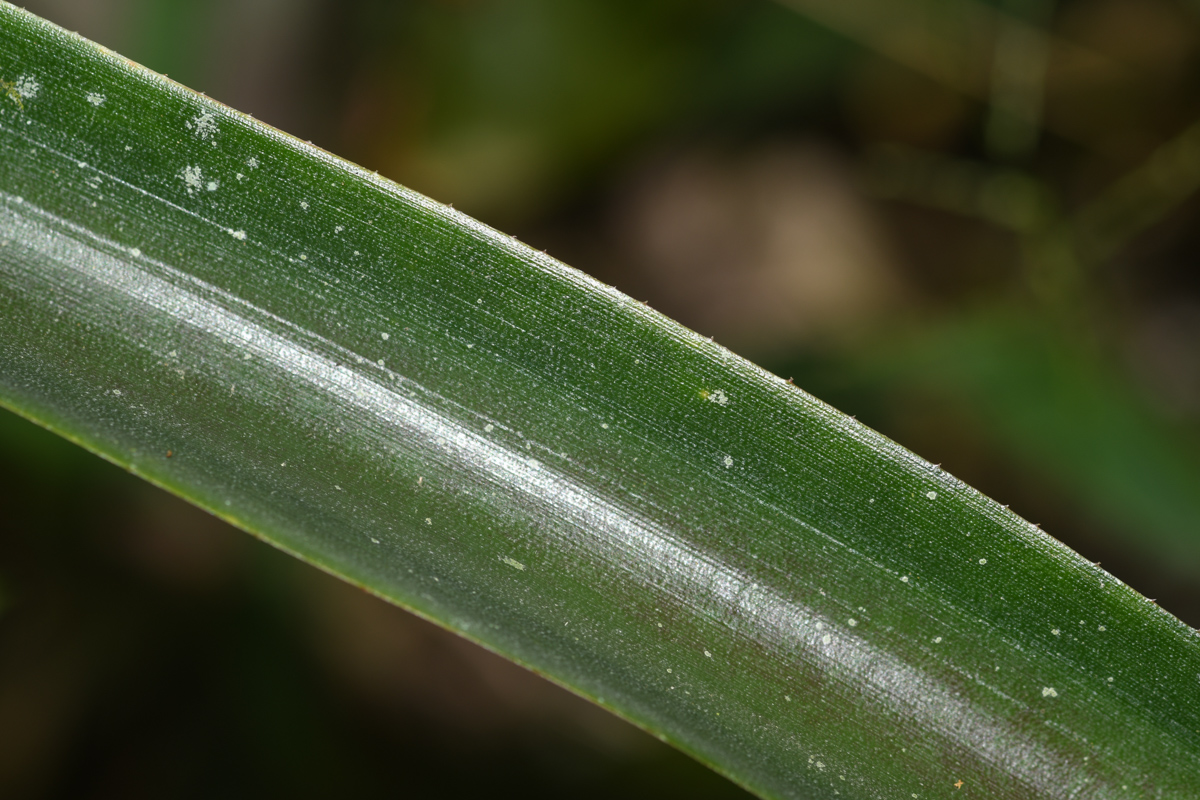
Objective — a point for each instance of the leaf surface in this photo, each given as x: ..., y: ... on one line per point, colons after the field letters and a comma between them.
x: 464, y: 426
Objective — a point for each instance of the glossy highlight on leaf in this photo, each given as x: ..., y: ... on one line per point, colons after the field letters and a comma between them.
x: 464, y: 426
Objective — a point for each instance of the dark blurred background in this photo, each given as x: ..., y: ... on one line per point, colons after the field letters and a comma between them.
x: 971, y: 224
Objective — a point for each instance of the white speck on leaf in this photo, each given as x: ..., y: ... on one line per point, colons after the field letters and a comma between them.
x: 728, y: 462
x: 707, y: 654
x: 1056, y: 631
x: 96, y: 99
x: 204, y: 125
x: 512, y: 562
x: 304, y: 204
x: 23, y: 88
x: 339, y: 228
x: 212, y: 186
x: 489, y: 427
x: 192, y: 178
x: 252, y: 162
x: 28, y: 87
x: 904, y: 579
x: 385, y: 336
x: 982, y: 561
x: 931, y: 495
x: 719, y: 397
x: 239, y: 235
x: 135, y: 252
x: 1049, y: 692
x: 826, y: 639
x: 241, y: 177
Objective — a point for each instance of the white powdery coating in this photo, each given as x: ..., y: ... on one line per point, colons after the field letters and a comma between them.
x: 204, y: 125
x: 27, y: 86
x: 1049, y: 692
x: 931, y: 495
x: 728, y: 462
x: 252, y: 162
x: 96, y: 99
x: 719, y: 397
x: 239, y: 235
x: 193, y: 179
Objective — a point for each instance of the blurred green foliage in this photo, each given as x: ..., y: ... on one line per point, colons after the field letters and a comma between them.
x: 970, y: 224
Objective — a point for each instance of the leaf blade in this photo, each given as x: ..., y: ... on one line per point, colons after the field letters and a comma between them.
x: 423, y: 406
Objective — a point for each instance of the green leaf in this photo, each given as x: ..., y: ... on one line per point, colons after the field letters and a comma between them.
x: 463, y: 426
